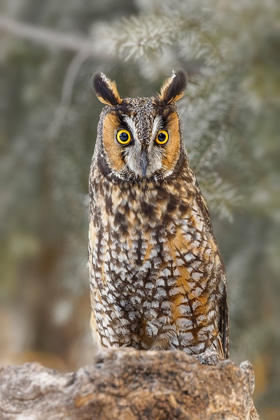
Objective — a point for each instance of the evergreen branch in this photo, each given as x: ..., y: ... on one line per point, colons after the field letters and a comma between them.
x: 48, y: 37
x: 67, y: 90
x: 222, y: 197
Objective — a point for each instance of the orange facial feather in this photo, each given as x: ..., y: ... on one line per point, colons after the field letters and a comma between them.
x: 113, y: 150
x: 172, y: 148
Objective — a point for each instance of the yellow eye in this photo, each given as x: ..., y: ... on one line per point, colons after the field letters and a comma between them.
x: 123, y: 137
x: 162, y: 137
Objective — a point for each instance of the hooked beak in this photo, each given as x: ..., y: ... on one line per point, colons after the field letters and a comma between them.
x: 144, y: 162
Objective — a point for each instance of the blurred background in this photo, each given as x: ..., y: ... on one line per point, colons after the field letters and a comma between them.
x: 48, y: 52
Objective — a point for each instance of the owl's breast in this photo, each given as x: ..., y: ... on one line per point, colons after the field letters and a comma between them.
x: 154, y: 263
x: 142, y: 229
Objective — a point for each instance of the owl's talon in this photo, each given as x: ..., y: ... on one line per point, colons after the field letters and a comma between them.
x: 209, y: 358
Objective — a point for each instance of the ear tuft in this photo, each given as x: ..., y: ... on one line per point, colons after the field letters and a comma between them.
x: 106, y: 90
x: 173, y: 88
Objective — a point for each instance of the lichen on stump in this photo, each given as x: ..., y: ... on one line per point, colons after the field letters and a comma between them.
x: 126, y: 384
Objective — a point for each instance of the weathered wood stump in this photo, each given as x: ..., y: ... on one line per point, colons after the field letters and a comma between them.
x: 126, y: 384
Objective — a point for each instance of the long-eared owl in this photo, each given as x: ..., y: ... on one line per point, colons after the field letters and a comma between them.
x: 157, y: 280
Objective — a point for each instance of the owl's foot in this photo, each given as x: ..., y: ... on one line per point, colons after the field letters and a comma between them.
x: 161, y: 344
x: 209, y: 358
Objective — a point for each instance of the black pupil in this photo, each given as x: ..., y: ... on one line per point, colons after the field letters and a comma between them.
x: 161, y: 137
x: 123, y: 136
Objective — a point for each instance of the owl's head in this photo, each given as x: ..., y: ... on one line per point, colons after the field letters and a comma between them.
x: 139, y: 138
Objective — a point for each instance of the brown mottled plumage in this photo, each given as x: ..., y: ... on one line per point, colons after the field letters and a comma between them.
x: 157, y: 280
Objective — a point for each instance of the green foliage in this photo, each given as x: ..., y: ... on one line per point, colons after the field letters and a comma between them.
x: 230, y: 121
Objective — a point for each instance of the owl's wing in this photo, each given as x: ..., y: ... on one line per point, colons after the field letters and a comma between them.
x: 204, y: 208
x: 223, y: 324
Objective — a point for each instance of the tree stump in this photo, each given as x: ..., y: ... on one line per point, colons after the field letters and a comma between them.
x: 127, y: 384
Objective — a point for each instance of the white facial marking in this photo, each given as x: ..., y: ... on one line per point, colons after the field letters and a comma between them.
x: 157, y: 125
x: 129, y: 121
